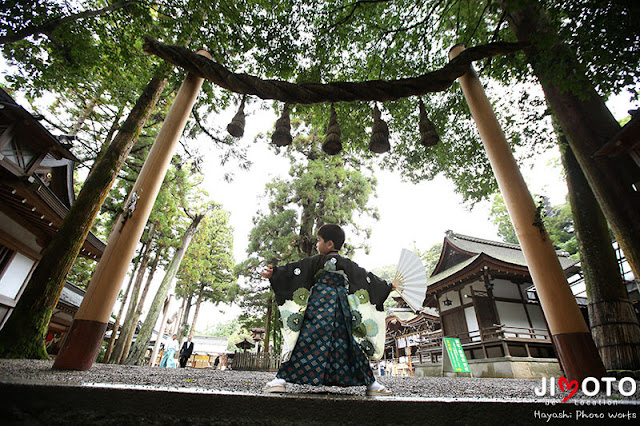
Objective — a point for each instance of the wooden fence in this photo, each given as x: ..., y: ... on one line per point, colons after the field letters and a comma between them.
x: 253, y: 361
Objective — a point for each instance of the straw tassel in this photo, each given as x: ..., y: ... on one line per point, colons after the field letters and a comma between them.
x: 380, y: 134
x: 332, y: 144
x: 428, y: 134
x: 236, y: 127
x: 282, y: 135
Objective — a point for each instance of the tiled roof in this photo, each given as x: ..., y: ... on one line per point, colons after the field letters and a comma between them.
x: 450, y: 271
x: 510, y: 253
x: 476, y: 247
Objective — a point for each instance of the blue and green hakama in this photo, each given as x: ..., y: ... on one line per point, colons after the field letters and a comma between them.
x: 333, y: 321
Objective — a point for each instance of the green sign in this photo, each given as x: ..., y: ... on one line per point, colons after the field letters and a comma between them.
x: 453, y: 356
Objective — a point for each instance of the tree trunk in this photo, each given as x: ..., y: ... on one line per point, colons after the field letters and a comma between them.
x: 165, y: 311
x: 185, y: 315
x: 267, y: 324
x: 107, y: 139
x: 125, y: 334
x: 305, y: 243
x: 23, y: 334
x: 82, y: 117
x: 195, y: 314
x: 140, y: 347
x: 587, y: 125
x: 114, y: 333
x: 276, y: 331
x: 613, y: 322
x: 181, y: 323
x: 138, y: 312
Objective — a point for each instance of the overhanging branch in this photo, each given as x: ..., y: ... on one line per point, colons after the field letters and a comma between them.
x: 311, y: 93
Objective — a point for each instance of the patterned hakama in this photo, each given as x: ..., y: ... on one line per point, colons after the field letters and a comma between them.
x: 326, y: 352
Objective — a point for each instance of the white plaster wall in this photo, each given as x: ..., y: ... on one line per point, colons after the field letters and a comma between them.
x: 11, y: 227
x: 15, y: 275
x: 472, y: 323
x: 453, y: 296
x: 537, y: 317
x: 506, y: 289
x: 512, y: 315
x: 476, y: 285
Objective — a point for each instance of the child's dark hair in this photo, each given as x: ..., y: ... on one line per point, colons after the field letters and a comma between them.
x: 332, y: 232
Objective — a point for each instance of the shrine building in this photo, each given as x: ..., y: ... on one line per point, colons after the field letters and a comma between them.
x: 484, y: 295
x: 36, y: 192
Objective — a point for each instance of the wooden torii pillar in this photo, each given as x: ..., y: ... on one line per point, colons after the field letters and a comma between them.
x: 85, y: 335
x: 574, y: 345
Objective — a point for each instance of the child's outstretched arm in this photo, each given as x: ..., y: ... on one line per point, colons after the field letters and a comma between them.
x: 267, y: 272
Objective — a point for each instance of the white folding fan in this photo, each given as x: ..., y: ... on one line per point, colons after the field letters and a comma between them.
x: 411, y: 279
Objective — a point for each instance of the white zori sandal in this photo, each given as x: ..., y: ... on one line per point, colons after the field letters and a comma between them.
x: 376, y: 389
x: 275, y: 386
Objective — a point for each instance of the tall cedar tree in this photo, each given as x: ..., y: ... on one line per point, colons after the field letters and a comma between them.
x: 207, y: 271
x: 322, y: 189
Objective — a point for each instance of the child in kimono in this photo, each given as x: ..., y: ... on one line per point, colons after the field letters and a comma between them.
x: 332, y: 316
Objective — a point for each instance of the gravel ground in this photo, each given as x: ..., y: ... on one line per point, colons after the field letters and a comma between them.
x: 251, y: 382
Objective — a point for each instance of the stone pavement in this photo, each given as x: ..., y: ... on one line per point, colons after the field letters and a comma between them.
x: 34, y: 394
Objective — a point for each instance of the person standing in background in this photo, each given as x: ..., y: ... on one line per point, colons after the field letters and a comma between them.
x: 169, y: 354
x: 185, y: 352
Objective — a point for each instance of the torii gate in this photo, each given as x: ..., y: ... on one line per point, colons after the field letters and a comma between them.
x: 574, y: 345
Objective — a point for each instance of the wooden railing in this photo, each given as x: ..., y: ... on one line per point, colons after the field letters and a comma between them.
x: 503, y: 332
x: 253, y: 361
x: 430, y: 348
